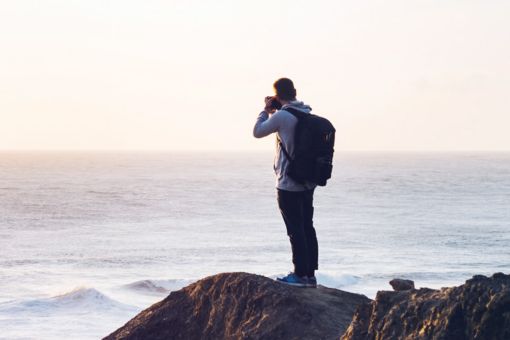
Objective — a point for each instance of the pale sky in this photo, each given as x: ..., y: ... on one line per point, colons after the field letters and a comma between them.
x: 192, y: 75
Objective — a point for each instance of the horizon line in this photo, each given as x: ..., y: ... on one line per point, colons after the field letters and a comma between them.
x: 252, y: 150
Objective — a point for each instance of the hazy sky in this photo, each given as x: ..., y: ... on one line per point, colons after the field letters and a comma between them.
x: 182, y: 75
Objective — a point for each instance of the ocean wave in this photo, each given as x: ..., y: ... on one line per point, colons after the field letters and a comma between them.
x: 79, y: 300
x: 337, y: 280
x: 423, y: 276
x: 157, y: 287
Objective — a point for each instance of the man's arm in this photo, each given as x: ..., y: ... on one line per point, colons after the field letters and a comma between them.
x: 266, y: 125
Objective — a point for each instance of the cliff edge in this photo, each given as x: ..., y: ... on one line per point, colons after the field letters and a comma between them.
x: 244, y: 306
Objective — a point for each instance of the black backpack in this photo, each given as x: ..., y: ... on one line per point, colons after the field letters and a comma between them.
x: 314, y: 139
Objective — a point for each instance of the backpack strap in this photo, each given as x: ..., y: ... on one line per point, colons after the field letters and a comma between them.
x: 298, y: 114
x: 284, y: 150
x: 295, y: 112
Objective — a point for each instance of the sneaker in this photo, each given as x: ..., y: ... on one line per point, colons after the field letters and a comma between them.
x: 293, y: 280
x: 311, y: 282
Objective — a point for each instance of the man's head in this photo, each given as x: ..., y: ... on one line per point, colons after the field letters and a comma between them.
x: 284, y: 89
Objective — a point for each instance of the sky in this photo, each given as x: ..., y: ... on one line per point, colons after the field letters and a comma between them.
x: 192, y: 75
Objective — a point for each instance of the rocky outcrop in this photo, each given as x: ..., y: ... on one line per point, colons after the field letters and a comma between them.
x: 244, y: 306
x: 247, y: 306
x: 479, y: 309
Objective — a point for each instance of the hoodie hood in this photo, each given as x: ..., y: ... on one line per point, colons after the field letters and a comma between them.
x: 298, y: 105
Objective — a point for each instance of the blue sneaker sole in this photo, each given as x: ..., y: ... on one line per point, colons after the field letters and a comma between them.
x: 295, y: 284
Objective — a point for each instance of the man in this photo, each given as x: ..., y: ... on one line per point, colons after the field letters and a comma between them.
x: 295, y: 200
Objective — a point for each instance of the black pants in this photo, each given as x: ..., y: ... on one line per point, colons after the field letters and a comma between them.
x: 297, y: 212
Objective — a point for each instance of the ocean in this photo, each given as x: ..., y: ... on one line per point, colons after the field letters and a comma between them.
x: 87, y: 240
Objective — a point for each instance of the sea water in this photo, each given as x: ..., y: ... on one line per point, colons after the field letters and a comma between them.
x: 87, y: 240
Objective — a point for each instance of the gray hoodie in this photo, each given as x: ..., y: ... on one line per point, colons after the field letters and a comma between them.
x: 283, y: 123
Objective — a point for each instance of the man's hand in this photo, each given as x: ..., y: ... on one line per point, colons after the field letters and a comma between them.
x: 269, y: 108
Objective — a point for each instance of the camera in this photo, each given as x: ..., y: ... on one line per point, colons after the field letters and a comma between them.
x: 275, y: 103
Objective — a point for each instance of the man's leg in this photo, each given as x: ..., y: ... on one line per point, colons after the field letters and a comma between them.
x: 291, y: 208
x: 310, y: 235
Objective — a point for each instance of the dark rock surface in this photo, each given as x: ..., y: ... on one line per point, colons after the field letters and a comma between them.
x: 401, y: 284
x: 244, y: 306
x: 479, y: 309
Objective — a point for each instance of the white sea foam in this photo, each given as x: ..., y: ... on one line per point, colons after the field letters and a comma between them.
x: 337, y: 280
x: 82, y: 313
x: 79, y: 300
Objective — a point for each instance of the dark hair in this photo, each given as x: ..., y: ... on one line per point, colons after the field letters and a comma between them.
x: 284, y: 89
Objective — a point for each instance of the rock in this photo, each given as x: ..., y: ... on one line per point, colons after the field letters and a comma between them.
x: 401, y: 284
x: 478, y: 309
x: 244, y: 306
